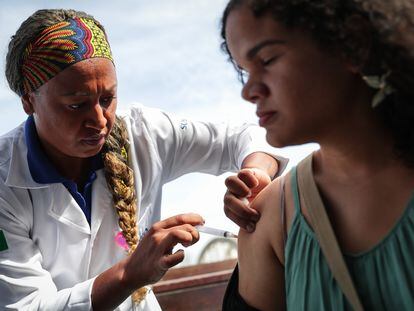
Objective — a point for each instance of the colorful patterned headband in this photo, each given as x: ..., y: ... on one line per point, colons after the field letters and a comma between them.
x: 60, y: 46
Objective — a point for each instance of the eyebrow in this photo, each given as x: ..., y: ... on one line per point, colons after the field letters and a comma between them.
x: 256, y: 49
x: 83, y: 93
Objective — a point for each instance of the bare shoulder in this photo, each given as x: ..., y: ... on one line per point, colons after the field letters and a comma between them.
x: 275, y: 204
x: 261, y: 279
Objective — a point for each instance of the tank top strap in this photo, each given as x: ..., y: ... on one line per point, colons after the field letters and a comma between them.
x: 295, y: 190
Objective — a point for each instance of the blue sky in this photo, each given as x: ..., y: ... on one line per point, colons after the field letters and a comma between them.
x: 167, y: 54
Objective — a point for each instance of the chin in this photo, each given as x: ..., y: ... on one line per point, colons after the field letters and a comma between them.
x: 275, y: 141
x: 89, y: 153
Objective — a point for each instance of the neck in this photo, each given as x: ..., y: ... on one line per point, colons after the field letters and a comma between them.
x: 76, y: 169
x: 356, y: 159
x: 71, y: 168
x: 358, y: 148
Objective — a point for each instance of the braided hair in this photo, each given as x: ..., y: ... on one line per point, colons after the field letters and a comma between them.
x: 120, y: 179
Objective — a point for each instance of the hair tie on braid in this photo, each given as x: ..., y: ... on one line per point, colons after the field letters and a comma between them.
x: 120, y: 179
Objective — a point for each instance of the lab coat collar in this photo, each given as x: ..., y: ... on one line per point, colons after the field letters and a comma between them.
x: 19, y: 174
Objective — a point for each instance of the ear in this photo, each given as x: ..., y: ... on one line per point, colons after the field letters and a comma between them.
x: 27, y: 101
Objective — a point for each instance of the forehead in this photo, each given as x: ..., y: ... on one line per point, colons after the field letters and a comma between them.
x: 91, y: 68
x: 86, y: 75
x: 243, y: 30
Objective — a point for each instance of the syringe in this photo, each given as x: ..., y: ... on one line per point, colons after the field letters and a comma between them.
x: 217, y: 232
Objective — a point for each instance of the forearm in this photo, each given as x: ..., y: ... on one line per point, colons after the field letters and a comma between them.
x: 110, y: 288
x: 262, y: 161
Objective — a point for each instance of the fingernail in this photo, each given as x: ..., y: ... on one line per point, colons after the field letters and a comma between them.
x: 250, y: 227
x: 253, y: 171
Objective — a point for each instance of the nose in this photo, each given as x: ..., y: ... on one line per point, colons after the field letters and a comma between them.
x: 96, y: 117
x: 254, y: 91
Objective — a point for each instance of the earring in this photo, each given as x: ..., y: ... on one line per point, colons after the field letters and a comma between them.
x: 379, y: 83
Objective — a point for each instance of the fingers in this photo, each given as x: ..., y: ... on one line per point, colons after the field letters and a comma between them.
x: 172, y: 260
x: 186, y: 235
x: 153, y: 256
x: 243, y: 187
x: 239, y: 212
x: 237, y: 186
x: 190, y: 218
x: 239, y: 207
x: 255, y: 178
x: 249, y: 177
x: 165, y: 234
x: 243, y: 223
x: 246, y: 181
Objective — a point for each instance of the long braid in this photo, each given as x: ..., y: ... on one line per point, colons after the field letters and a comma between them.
x: 120, y: 179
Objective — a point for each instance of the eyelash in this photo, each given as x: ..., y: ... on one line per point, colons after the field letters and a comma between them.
x: 105, y: 102
x: 269, y: 61
x: 244, y: 74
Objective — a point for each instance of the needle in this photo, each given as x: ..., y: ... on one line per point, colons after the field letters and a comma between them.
x: 217, y: 232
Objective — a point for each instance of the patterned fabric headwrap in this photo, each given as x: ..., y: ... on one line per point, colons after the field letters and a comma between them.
x: 60, y: 46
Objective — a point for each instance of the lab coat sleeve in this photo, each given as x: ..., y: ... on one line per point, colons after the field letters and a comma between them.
x: 24, y: 283
x: 186, y: 146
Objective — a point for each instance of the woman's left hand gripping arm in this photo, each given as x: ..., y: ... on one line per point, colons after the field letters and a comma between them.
x: 258, y: 170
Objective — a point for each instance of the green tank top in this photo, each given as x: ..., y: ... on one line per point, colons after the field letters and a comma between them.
x: 383, y: 276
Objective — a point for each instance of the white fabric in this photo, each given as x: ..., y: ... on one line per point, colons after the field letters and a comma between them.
x: 53, y: 255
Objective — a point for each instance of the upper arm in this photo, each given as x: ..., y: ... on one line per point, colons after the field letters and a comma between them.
x: 184, y: 146
x: 261, y: 272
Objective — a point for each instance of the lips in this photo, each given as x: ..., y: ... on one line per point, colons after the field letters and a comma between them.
x: 94, y: 140
x: 265, y: 117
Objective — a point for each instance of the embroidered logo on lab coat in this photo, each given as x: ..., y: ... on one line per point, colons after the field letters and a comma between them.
x: 3, y: 242
x: 183, y: 124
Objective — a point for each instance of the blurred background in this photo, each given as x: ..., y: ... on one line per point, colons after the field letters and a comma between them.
x: 167, y: 54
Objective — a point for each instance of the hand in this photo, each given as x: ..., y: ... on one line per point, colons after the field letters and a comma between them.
x: 153, y: 256
x: 241, y: 190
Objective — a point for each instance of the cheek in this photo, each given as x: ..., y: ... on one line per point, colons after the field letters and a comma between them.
x: 290, y: 94
x: 111, y: 118
x: 66, y: 127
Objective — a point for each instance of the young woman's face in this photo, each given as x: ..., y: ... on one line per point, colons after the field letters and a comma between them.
x: 74, y: 111
x: 299, y: 90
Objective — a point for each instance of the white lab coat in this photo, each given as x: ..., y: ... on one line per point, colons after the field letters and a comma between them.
x: 53, y: 254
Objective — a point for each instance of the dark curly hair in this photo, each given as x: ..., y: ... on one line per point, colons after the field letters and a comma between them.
x: 336, y: 25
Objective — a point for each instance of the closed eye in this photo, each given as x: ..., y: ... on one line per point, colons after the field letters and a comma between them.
x: 269, y: 61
